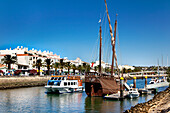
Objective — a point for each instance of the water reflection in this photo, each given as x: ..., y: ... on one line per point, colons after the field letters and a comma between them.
x: 69, y: 102
x: 36, y: 100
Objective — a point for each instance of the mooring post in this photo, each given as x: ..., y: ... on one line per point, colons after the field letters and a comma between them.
x: 145, y: 81
x: 121, y: 87
x: 134, y: 82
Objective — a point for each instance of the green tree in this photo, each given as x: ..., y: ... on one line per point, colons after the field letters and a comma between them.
x: 8, y: 60
x: 62, y: 64
x: 107, y: 70
x: 38, y: 65
x: 95, y: 68
x: 74, y: 68
x: 68, y: 65
x: 84, y: 67
x: 88, y: 68
x: 80, y: 69
x: 48, y: 64
x: 137, y: 69
x: 56, y: 66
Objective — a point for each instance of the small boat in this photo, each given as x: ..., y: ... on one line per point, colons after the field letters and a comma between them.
x: 64, y: 84
x: 145, y: 91
x: 133, y: 92
x: 155, y: 83
x: 116, y: 95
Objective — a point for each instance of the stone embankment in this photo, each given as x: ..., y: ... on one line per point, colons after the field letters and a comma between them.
x: 159, y: 104
x: 19, y: 82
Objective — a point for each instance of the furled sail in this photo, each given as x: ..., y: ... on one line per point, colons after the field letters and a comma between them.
x: 112, y: 41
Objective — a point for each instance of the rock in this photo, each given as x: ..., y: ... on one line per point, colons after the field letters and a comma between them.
x: 144, y: 107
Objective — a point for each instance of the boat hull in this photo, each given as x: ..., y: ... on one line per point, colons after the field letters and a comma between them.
x: 101, y: 85
x: 156, y: 85
x: 60, y: 90
x: 132, y: 95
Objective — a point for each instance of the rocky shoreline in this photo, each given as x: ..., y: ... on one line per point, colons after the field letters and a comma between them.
x: 20, y: 82
x: 159, y: 104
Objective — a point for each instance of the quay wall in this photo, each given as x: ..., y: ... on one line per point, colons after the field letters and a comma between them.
x: 160, y: 103
x: 19, y: 82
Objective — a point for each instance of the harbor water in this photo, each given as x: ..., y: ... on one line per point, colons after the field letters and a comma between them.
x: 35, y: 100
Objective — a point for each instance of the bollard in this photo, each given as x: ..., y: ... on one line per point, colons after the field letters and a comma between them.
x: 121, y: 87
x: 145, y: 81
x: 134, y: 82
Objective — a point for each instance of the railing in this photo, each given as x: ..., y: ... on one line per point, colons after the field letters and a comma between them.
x: 98, y: 75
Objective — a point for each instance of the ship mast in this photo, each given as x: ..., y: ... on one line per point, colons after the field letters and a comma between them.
x: 113, y: 47
x: 112, y: 40
x: 100, y: 50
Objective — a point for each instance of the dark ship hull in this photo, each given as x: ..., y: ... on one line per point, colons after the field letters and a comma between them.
x: 100, y: 85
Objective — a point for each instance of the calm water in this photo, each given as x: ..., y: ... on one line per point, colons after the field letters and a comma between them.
x: 36, y: 100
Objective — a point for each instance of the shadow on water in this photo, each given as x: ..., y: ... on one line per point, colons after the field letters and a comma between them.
x: 98, y: 104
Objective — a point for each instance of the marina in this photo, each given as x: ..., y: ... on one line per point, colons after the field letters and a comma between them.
x: 35, y: 99
x: 84, y: 56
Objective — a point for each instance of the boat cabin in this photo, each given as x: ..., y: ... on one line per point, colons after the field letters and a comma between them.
x: 65, y: 81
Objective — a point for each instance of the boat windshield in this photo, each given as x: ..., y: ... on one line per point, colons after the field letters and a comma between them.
x: 52, y: 78
x: 151, y: 82
x: 59, y: 78
x: 57, y: 83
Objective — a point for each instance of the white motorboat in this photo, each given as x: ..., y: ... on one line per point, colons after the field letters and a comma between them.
x: 133, y: 92
x: 155, y: 83
x: 64, y: 84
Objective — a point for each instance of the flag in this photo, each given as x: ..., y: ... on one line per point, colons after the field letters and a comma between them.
x: 92, y: 64
x: 99, y: 21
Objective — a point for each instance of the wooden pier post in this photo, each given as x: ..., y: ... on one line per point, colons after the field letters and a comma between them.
x: 121, y: 88
x: 145, y: 81
x: 134, y: 82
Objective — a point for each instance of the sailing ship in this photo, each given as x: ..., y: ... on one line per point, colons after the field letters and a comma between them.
x: 99, y: 83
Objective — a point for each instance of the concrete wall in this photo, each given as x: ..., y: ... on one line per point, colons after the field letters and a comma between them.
x: 17, y: 82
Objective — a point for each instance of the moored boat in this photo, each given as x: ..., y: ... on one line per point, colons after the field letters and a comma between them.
x: 133, y: 92
x: 64, y: 84
x: 155, y: 83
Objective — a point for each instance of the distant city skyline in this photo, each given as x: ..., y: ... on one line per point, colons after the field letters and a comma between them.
x: 70, y: 28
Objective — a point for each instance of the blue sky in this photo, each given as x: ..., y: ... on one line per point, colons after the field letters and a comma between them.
x: 70, y: 27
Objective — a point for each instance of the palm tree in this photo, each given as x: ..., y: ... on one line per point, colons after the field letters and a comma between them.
x: 48, y: 62
x: 56, y: 66
x: 88, y: 68
x: 80, y: 68
x: 62, y: 64
x: 95, y: 68
x: 8, y: 60
x: 68, y: 65
x: 84, y: 67
x: 38, y: 64
x: 74, y: 68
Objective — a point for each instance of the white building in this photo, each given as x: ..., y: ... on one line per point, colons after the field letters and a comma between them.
x: 26, y: 59
x: 103, y: 64
x: 126, y: 67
